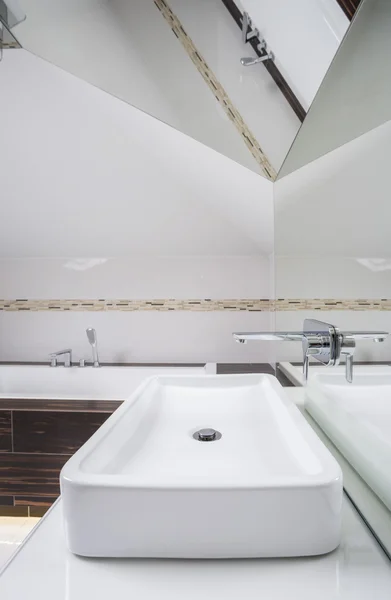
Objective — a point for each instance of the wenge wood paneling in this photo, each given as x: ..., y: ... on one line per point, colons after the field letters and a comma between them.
x: 5, y: 431
x: 6, y: 500
x: 38, y: 511
x: 54, y: 432
x: 14, y: 511
x: 31, y: 474
x: 27, y: 404
x: 349, y: 7
x: 34, y: 500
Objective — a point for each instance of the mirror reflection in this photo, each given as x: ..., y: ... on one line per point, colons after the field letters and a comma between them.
x: 238, y: 76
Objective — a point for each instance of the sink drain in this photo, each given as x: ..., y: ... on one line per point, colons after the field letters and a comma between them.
x: 207, y: 435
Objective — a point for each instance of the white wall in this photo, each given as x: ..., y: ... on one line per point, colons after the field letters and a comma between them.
x: 332, y: 227
x: 304, y: 36
x: 101, y: 200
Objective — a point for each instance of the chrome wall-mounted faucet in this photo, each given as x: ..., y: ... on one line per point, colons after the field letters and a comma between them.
x: 248, y: 33
x: 67, y: 357
x: 91, y: 334
x: 320, y: 340
x: 247, y: 24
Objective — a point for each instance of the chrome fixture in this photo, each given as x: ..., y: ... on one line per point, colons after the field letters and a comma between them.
x: 91, y: 334
x: 207, y: 435
x: 247, y: 61
x: 10, y: 15
x: 320, y: 340
x: 247, y: 23
x: 82, y: 362
x: 67, y: 357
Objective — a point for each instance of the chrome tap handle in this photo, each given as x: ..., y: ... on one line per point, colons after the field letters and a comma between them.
x: 67, y: 357
x: 347, y: 345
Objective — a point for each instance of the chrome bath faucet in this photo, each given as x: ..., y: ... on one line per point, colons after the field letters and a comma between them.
x: 320, y: 340
x: 67, y: 357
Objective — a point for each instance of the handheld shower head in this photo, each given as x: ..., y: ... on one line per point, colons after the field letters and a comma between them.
x: 91, y: 335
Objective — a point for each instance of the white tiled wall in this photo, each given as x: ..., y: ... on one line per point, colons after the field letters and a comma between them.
x: 178, y: 277
x: 139, y: 210
x: 175, y: 336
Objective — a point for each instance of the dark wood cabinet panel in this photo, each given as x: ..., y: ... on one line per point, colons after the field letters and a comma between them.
x: 54, y: 432
x: 28, y: 404
x: 31, y: 474
x: 5, y: 431
x: 6, y: 500
x: 35, y: 500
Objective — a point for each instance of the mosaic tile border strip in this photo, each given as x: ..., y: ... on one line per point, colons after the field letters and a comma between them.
x: 196, y: 305
x: 217, y: 89
x: 164, y: 305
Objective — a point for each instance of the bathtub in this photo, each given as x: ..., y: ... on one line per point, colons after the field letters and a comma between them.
x: 82, y: 383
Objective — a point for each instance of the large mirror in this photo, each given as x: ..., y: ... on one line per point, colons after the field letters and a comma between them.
x: 333, y: 257
x: 238, y: 76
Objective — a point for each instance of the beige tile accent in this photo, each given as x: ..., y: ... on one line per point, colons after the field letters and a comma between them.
x: 217, y: 90
x: 196, y: 305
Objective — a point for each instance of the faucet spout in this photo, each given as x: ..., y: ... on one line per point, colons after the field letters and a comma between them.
x: 322, y: 341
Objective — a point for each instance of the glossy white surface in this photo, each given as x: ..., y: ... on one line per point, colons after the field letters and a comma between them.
x: 251, y: 89
x: 357, y: 80
x: 136, y: 38
x: 13, y: 530
x: 347, y: 192
x: 140, y: 277
x: 134, y: 336
x: 122, y: 196
x: 357, y: 418
x: 295, y: 373
x: 103, y: 383
x: 165, y: 494
x: 304, y: 36
x: 43, y: 569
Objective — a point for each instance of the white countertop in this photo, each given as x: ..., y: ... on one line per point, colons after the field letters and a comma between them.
x: 43, y: 569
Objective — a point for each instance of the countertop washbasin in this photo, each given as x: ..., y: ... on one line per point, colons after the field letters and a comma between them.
x: 146, y: 485
x: 357, y: 418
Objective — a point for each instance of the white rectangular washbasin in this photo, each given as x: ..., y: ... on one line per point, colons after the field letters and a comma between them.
x: 357, y: 418
x: 144, y: 486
